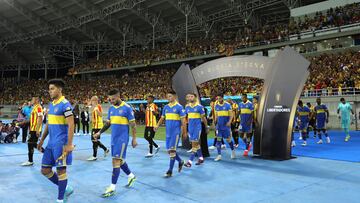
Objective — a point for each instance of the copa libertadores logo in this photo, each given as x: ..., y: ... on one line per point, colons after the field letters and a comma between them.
x: 278, y: 109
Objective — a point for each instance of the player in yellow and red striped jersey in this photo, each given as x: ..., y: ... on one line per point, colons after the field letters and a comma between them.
x: 36, y: 119
x: 151, y: 112
x: 96, y: 124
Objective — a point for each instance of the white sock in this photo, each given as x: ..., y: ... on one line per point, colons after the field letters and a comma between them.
x: 60, y: 201
x: 131, y: 175
x: 201, y: 158
x: 113, y: 186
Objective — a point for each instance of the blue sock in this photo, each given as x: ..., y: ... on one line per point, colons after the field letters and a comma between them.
x: 326, y: 135
x: 231, y: 145
x: 172, y: 162
x: 199, y: 153
x: 177, y: 157
x: 115, y: 175
x: 304, y: 134
x: 53, y: 178
x: 218, y: 147
x: 192, y: 156
x: 125, y: 168
x: 62, y: 186
x: 320, y: 137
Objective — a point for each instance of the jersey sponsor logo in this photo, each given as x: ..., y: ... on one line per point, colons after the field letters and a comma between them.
x: 56, y: 109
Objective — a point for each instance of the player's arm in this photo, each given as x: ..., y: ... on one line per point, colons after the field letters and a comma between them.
x: 327, y: 115
x: 183, y: 126
x: 231, y: 118
x: 132, y: 124
x: 70, y: 121
x: 39, y: 123
x: 106, y: 126
x: 43, y: 137
x: 155, y: 111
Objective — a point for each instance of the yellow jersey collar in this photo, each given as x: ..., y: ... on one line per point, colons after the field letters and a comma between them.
x: 172, y: 105
x: 121, y: 104
x: 55, y: 102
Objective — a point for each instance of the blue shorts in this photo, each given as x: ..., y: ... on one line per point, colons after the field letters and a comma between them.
x: 52, y: 157
x: 172, y: 140
x: 194, y: 134
x: 223, y: 133
x: 245, y: 128
x: 320, y: 124
x: 303, y: 127
x: 118, y: 150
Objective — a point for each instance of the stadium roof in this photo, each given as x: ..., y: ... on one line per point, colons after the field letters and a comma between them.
x: 32, y: 30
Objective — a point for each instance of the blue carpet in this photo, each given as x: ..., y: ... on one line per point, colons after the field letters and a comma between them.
x: 241, y: 180
x: 338, y: 149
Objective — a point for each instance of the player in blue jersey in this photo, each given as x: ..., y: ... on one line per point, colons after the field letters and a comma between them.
x: 322, y: 118
x: 195, y: 114
x: 223, y: 117
x: 60, y: 128
x: 303, y: 114
x: 246, y: 111
x: 343, y: 111
x: 120, y: 117
x: 174, y: 116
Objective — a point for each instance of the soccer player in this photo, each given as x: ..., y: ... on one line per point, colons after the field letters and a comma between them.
x: 96, y: 124
x: 312, y: 121
x: 303, y: 114
x: 60, y: 128
x: 150, y: 122
x: 223, y: 117
x: 322, y: 118
x: 36, y: 117
x: 246, y: 110
x: 256, y: 108
x: 196, y: 114
x: 235, y: 122
x: 343, y: 111
x: 174, y: 116
x: 120, y: 117
x: 212, y: 118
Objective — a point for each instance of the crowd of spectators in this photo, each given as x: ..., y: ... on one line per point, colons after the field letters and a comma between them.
x: 337, y: 73
x: 225, y: 42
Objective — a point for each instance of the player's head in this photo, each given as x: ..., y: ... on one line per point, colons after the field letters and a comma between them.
x: 56, y: 87
x: 308, y: 104
x: 342, y: 100
x: 255, y: 99
x: 244, y: 97
x: 35, y: 100
x: 191, y: 98
x: 171, y: 96
x: 318, y: 100
x: 300, y: 103
x: 114, y: 97
x: 150, y: 99
x: 220, y: 97
x: 94, y: 100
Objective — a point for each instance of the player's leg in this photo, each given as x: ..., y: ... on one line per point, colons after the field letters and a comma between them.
x: 346, y: 126
x: 152, y: 136
x: 147, y: 138
x: 46, y: 164
x: 304, y: 134
x: 228, y: 137
x: 124, y: 166
x: 62, y: 160
x: 116, y: 163
x: 198, y: 149
x: 62, y: 182
x: 218, y: 138
x: 326, y: 135
x: 32, y: 142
